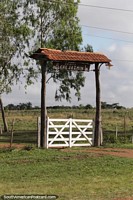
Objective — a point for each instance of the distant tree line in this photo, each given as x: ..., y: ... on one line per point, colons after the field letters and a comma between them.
x: 88, y: 106
x: 29, y: 106
x: 21, y: 106
x: 105, y: 105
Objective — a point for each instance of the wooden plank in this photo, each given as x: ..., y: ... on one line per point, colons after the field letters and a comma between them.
x: 58, y: 139
x: 58, y: 145
x: 73, y: 133
x: 65, y: 120
x: 81, y: 145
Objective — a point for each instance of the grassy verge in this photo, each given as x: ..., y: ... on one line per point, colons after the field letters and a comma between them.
x: 70, y: 175
x: 119, y: 145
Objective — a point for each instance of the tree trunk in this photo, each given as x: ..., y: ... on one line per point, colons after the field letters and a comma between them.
x: 43, y: 138
x: 97, y: 132
x: 3, y: 115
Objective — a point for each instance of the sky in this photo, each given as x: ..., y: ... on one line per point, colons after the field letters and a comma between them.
x: 109, y: 31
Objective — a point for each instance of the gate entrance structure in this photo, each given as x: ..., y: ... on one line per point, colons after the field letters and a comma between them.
x: 74, y: 61
x: 69, y: 133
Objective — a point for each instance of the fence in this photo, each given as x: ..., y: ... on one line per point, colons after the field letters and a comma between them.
x: 69, y: 132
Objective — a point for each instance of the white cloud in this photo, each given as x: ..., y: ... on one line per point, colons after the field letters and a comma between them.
x: 112, y: 48
x: 116, y: 83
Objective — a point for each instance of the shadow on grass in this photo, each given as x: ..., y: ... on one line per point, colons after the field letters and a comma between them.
x: 20, y: 137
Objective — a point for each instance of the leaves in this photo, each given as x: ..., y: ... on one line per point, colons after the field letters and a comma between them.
x: 26, y: 25
x: 13, y: 39
x: 55, y: 25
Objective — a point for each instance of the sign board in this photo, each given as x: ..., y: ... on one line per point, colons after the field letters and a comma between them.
x: 71, y: 66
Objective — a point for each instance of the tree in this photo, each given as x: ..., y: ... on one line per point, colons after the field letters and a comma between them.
x: 10, y: 107
x: 13, y: 39
x: 103, y: 105
x: 88, y: 48
x: 54, y: 24
x: 88, y: 106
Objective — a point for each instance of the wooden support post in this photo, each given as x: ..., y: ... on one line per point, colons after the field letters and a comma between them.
x: 97, y: 132
x: 43, y: 138
x: 3, y: 115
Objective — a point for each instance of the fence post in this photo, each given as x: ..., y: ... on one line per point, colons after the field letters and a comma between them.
x: 101, y: 136
x: 11, y: 138
x: 132, y: 139
x: 116, y: 133
x: 0, y: 129
x: 70, y: 133
x: 38, y: 133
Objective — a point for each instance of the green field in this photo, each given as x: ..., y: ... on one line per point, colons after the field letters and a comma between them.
x: 26, y: 120
x: 70, y: 175
x: 25, y: 127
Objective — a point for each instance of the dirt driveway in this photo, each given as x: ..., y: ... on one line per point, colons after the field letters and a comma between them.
x: 120, y: 152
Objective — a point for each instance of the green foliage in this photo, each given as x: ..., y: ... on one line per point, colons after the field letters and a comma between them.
x: 69, y: 80
x: 88, y: 48
x: 105, y: 105
x: 54, y: 24
x: 20, y: 106
x: 26, y: 25
x: 13, y: 38
x: 110, y: 138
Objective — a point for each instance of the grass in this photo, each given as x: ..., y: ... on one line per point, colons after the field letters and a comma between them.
x: 119, y: 145
x: 25, y: 126
x: 110, y: 118
x: 20, y: 137
x: 70, y: 175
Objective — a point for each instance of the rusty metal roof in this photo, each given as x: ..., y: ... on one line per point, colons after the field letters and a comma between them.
x: 76, y: 56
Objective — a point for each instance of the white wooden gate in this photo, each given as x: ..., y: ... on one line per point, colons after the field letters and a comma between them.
x: 69, y: 132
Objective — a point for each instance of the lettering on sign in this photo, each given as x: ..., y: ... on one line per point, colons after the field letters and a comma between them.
x: 71, y: 66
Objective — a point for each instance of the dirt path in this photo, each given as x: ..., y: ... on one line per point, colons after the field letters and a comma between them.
x: 127, y: 153
x: 16, y: 146
x: 120, y: 152
x: 128, y: 198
